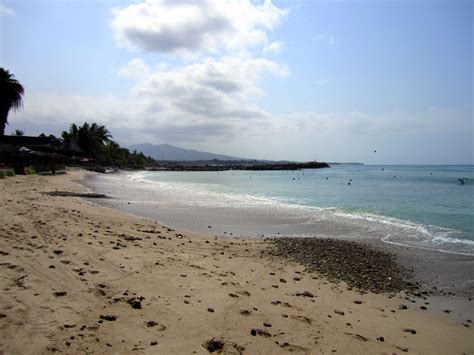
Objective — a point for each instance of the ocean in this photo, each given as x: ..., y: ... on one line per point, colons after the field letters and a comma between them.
x: 424, y: 207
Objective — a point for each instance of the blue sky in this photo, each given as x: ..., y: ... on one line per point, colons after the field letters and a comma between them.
x: 332, y: 80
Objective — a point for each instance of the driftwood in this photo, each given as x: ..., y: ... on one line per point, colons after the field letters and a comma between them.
x: 75, y: 194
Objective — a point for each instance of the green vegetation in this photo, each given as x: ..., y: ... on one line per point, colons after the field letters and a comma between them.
x: 113, y: 154
x: 18, y: 132
x: 6, y: 172
x: 96, y: 142
x: 30, y: 170
x: 11, y: 97
x: 91, y: 138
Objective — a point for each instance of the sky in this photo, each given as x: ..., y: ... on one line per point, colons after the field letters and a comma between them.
x: 378, y: 82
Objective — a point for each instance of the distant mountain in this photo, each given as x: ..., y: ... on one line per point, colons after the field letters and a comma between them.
x: 170, y: 152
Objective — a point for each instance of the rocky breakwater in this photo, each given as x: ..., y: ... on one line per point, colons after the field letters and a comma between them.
x: 359, y: 265
x: 240, y: 165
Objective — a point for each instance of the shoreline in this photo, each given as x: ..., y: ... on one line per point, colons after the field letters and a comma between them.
x: 439, y: 272
x: 78, y: 276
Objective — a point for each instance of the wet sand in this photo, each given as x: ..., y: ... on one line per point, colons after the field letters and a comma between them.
x: 81, y: 278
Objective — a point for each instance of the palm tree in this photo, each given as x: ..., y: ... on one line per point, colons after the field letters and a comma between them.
x: 90, y: 137
x: 11, y: 97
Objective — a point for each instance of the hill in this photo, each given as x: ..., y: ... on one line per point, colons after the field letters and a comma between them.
x: 171, y: 152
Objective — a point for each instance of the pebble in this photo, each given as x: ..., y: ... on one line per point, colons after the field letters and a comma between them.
x: 305, y: 294
x: 257, y: 331
x: 401, y: 348
x: 367, y: 268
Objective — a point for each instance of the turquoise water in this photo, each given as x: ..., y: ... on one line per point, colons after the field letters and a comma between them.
x: 421, y: 206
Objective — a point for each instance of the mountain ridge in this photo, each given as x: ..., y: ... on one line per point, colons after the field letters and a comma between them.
x: 168, y: 152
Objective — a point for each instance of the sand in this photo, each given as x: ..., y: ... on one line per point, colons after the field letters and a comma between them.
x: 79, y: 278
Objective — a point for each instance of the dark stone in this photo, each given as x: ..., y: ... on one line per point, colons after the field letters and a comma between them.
x: 305, y: 294
x: 261, y: 332
x: 214, y: 345
x: 135, y: 302
x: 401, y: 348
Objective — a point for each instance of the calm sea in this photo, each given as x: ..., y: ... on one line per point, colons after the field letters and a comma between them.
x: 417, y: 206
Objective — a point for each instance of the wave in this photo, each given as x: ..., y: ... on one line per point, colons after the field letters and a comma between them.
x: 360, y: 223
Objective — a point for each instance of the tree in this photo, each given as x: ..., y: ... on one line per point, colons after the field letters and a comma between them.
x: 91, y: 138
x: 95, y: 141
x: 11, y: 97
x: 18, y: 132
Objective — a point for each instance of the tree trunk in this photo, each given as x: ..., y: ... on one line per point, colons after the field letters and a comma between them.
x: 3, y: 118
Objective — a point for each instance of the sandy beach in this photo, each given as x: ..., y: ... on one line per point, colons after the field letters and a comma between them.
x: 79, y: 278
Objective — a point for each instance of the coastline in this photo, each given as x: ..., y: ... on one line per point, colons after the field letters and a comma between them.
x: 439, y: 273
x: 71, y: 266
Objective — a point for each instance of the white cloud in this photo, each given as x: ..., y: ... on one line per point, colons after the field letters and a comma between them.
x: 176, y: 26
x: 4, y: 10
x: 207, y: 91
x: 209, y: 95
x: 274, y: 47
